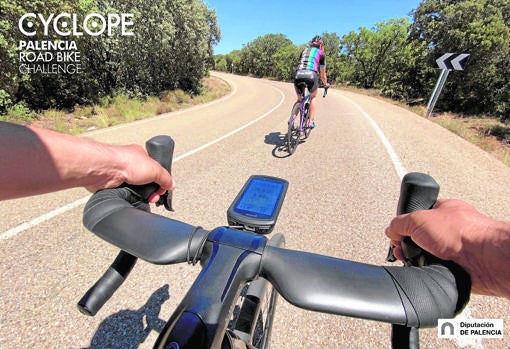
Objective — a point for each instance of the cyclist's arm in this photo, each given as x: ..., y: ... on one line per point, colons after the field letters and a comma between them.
x: 36, y: 161
x: 454, y: 230
x: 323, y: 75
x: 322, y: 69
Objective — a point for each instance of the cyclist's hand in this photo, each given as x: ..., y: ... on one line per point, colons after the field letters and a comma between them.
x: 54, y: 161
x: 454, y: 230
x: 326, y: 87
x: 132, y: 165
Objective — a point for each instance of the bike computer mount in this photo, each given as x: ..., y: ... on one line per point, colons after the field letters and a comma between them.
x: 258, y: 204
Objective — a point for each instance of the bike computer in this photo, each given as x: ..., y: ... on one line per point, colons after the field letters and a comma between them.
x: 258, y: 204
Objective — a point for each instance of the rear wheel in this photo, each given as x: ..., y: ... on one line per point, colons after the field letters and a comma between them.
x: 293, y: 133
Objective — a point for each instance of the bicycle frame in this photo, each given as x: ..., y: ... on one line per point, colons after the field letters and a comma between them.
x: 305, y: 108
x: 305, y: 100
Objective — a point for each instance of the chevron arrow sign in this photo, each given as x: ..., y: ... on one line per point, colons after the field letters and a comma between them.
x: 452, y: 61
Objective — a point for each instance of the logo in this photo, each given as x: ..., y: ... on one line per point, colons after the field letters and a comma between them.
x: 446, y: 330
x: 470, y: 328
x: 66, y: 24
x: 61, y: 56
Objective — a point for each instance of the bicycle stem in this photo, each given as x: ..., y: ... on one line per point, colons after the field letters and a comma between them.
x: 205, y: 308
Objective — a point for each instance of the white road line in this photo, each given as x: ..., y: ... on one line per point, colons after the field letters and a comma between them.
x: 395, y: 159
x: 234, y: 131
x: 401, y: 171
x: 30, y: 224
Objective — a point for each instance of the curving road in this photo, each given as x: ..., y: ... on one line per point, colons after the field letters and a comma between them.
x: 344, y: 183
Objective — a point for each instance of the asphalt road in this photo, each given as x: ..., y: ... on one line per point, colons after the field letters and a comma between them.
x: 344, y: 184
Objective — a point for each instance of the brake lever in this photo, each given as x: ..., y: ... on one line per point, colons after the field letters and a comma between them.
x: 166, y: 200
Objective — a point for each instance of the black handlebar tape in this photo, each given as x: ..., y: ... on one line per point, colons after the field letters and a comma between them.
x: 104, y: 288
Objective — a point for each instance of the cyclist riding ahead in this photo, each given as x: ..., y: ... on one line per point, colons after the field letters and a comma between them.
x: 311, y: 63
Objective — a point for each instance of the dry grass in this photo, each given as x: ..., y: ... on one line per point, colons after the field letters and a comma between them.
x: 122, y: 109
x: 489, y: 134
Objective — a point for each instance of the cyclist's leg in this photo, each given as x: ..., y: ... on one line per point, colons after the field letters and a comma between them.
x: 299, y: 90
x: 313, y: 101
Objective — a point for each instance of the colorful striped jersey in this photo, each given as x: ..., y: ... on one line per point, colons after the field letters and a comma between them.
x: 312, y: 58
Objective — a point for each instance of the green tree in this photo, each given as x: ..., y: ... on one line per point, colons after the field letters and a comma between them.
x: 220, y: 63
x: 171, y: 48
x: 332, y: 46
x: 37, y: 90
x: 373, y: 51
x: 480, y: 28
x: 257, y: 57
x: 234, y: 61
x: 285, y: 60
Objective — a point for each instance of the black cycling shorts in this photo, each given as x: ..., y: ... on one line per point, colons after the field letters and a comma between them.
x: 309, y: 77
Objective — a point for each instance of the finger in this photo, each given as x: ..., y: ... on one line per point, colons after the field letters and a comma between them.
x: 398, y: 253
x: 164, y: 179
x: 440, y: 202
x: 399, y: 227
x: 154, y: 198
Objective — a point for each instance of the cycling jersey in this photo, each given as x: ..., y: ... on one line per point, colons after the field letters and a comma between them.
x: 312, y: 58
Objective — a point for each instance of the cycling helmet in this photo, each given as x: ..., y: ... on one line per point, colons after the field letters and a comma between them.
x: 316, y: 40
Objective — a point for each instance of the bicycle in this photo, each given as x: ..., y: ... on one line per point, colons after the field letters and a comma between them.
x: 240, y: 261
x: 298, y: 123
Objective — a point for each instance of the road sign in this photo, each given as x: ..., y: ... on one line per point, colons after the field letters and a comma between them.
x: 451, y: 61
x: 447, y: 62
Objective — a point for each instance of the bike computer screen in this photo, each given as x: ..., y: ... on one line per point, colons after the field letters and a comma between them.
x: 258, y: 204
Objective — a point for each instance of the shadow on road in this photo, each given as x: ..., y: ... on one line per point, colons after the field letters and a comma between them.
x: 278, y: 140
x: 126, y: 329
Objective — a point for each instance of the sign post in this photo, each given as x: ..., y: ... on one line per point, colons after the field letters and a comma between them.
x: 447, y: 62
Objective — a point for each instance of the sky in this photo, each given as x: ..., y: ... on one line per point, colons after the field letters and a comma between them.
x: 242, y: 21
